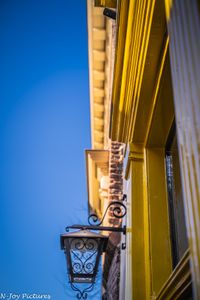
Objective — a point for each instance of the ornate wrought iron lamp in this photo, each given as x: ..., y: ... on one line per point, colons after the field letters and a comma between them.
x: 83, y: 248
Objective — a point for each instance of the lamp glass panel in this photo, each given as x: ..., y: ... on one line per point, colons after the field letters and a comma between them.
x: 83, y: 254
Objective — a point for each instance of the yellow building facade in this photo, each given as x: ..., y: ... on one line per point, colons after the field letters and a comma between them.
x: 145, y: 93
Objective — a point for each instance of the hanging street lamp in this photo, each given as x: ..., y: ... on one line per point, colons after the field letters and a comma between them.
x: 83, y: 248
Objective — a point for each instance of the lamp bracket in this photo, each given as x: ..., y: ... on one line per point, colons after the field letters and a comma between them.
x: 99, y: 228
x: 119, y: 211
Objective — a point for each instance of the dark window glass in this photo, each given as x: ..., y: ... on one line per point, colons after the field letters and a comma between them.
x: 188, y: 295
x: 179, y: 240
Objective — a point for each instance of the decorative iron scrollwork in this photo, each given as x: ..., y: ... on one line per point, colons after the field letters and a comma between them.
x: 82, y: 294
x: 119, y: 211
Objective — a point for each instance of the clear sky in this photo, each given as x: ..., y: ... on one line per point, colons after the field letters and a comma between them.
x: 44, y: 129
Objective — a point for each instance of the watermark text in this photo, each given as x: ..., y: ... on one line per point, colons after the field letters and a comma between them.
x: 16, y: 296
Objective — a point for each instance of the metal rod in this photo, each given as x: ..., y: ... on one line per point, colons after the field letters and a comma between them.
x: 100, y: 228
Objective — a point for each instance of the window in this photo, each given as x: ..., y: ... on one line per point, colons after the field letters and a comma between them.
x: 179, y: 242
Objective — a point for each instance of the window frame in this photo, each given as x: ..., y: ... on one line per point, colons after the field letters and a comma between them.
x: 178, y: 281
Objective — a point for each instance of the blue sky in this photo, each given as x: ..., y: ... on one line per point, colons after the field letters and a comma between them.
x: 44, y: 129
